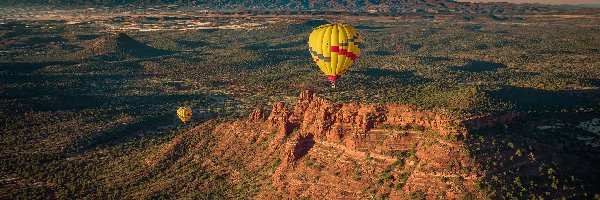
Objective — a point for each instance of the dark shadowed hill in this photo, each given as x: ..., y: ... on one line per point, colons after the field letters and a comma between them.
x: 120, y: 45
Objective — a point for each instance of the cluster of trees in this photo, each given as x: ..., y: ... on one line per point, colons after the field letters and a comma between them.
x: 517, y: 167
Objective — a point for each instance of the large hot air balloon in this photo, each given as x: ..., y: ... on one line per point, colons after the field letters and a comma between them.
x: 184, y: 113
x: 334, y: 48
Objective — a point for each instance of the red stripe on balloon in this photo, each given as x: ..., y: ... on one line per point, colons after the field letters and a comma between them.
x: 345, y: 52
x: 351, y: 55
x: 335, y: 48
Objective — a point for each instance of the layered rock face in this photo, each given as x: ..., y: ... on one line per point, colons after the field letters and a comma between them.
x: 350, y: 122
x: 321, y: 149
x: 389, y: 150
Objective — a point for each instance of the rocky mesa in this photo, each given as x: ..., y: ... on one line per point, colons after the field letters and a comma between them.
x: 321, y: 149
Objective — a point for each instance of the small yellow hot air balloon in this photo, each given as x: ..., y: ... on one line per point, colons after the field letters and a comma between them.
x: 334, y: 48
x: 184, y: 113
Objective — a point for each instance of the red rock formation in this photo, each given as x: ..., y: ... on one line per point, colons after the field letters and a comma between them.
x: 348, y: 150
x: 356, y: 129
x: 257, y: 115
x: 334, y: 122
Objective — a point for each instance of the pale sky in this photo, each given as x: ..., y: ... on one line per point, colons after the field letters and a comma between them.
x: 541, y: 1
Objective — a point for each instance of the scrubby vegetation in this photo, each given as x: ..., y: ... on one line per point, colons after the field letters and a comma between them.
x: 524, y: 161
x: 82, y: 107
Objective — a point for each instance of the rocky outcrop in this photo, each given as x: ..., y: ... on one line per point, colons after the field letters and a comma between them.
x: 316, y: 130
x: 338, y: 122
x: 323, y: 149
x: 258, y: 115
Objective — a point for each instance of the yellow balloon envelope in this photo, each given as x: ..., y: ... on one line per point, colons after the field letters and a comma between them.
x: 184, y: 113
x: 334, y: 48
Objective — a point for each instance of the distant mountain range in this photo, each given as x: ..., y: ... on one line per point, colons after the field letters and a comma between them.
x: 432, y: 6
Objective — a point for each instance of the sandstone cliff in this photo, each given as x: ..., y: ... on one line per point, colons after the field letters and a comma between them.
x: 329, y: 150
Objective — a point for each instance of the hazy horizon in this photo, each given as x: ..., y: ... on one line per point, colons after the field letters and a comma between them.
x: 571, y: 2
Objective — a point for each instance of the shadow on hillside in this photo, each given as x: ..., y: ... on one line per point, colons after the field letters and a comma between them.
x: 37, y: 41
x: 516, y: 155
x: 29, y: 67
x: 480, y: 66
x: 93, y: 70
x: 530, y: 99
x: 18, y: 32
x: 473, y: 27
x: 304, y: 145
x: 87, y: 37
x: 380, y: 78
x: 592, y: 82
x: 498, y: 18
